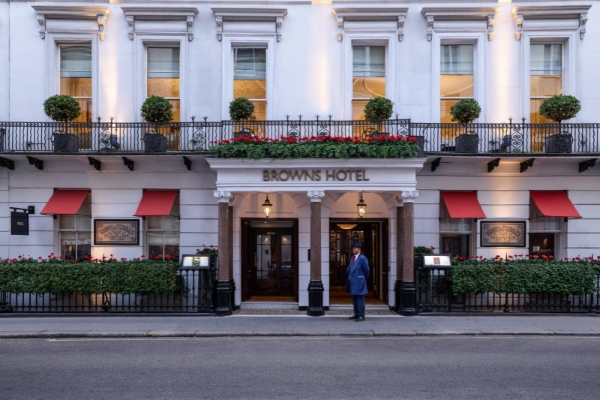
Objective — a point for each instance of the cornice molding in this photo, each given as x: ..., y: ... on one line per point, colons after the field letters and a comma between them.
x: 98, y: 14
x: 370, y: 14
x: 250, y: 15
x: 186, y: 14
x: 574, y: 12
x: 458, y: 14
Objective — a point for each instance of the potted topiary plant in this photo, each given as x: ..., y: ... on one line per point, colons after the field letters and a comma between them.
x: 63, y: 108
x: 377, y: 110
x: 241, y: 109
x: 560, y: 108
x: 464, y: 112
x: 156, y: 110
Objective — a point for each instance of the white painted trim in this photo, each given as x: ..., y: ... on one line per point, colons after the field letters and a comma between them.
x: 374, y: 37
x: 185, y: 14
x: 141, y: 41
x: 52, y: 60
x: 228, y: 43
x: 45, y: 12
x: 479, y: 42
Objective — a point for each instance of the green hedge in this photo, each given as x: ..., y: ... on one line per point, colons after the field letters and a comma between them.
x: 56, y: 276
x: 316, y: 147
x: 525, y: 276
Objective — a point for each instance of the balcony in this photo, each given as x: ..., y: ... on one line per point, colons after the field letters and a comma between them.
x: 196, y: 136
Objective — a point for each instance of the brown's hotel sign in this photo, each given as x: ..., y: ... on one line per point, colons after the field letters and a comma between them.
x: 315, y: 175
x: 120, y: 232
x: 502, y: 234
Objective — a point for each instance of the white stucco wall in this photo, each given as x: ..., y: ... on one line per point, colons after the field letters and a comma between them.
x: 308, y: 67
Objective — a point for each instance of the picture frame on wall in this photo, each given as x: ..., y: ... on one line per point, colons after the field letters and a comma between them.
x: 503, y: 234
x: 119, y: 232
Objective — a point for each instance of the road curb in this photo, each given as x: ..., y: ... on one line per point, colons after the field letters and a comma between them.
x: 366, y: 334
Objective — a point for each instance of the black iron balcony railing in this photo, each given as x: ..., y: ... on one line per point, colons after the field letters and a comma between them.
x: 198, y: 135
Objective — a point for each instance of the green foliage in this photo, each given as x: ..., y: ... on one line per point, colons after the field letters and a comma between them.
x: 316, y: 147
x: 57, y: 276
x: 465, y: 111
x: 379, y: 109
x: 560, y: 107
x: 62, y: 108
x: 157, y: 109
x: 524, y: 276
x: 240, y: 108
x: 421, y: 250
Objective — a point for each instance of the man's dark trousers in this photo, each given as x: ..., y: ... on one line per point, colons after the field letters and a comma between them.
x: 359, y: 305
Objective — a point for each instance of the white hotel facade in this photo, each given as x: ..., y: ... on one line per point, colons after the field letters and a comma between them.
x: 301, y: 58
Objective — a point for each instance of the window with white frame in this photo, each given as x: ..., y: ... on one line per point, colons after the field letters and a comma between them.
x: 75, y: 232
x: 545, y: 233
x: 162, y: 234
x: 76, y: 76
x: 545, y: 76
x: 164, y: 76
x: 456, y: 76
x: 368, y: 77
x: 250, y: 78
x: 456, y: 234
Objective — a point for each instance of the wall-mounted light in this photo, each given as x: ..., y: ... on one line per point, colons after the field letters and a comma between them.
x: 362, y: 207
x: 267, y: 207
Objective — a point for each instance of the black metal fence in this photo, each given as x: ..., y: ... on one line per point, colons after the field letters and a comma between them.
x: 198, y: 135
x: 194, y: 294
x: 434, y: 294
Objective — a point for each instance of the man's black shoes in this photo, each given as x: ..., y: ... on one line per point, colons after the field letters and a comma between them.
x: 359, y: 319
x: 353, y: 317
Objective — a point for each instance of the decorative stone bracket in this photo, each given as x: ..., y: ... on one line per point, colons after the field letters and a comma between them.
x: 316, y: 196
x: 186, y: 14
x: 249, y: 15
x: 553, y: 16
x: 370, y: 14
x: 458, y: 15
x: 98, y: 14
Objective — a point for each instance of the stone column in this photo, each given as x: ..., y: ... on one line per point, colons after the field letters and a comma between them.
x: 408, y: 295
x: 231, y: 279
x: 399, y: 253
x: 315, y: 286
x: 223, y: 285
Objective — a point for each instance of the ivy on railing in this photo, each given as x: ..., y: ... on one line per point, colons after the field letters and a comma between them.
x: 525, y: 274
x: 88, y: 276
x: 386, y: 146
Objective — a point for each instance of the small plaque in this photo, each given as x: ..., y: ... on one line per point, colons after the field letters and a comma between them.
x: 191, y: 261
x: 502, y: 234
x: 122, y: 232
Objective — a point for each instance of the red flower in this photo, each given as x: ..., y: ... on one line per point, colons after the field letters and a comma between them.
x: 535, y: 257
x: 551, y: 257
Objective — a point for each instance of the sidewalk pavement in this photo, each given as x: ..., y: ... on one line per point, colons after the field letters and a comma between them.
x: 295, y: 325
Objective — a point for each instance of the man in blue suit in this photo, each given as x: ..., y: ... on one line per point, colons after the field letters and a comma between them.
x: 356, y: 283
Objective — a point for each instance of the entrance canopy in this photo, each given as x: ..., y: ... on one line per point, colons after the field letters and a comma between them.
x: 303, y: 175
x: 555, y: 204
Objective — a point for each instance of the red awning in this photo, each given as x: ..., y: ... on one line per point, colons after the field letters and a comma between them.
x: 156, y: 203
x: 555, y: 204
x: 463, y: 205
x: 65, y: 202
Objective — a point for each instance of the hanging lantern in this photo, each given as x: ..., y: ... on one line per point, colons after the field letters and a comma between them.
x: 267, y: 206
x: 362, y: 207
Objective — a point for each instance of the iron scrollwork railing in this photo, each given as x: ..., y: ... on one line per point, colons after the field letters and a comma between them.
x: 198, y: 135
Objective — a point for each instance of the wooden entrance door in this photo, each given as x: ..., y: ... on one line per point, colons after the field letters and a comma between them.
x: 270, y: 262
x: 341, y: 238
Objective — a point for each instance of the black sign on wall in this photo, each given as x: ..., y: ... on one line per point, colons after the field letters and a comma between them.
x: 19, y: 223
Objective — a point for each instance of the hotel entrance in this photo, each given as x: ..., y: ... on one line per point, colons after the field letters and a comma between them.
x: 373, y: 236
x: 269, y: 260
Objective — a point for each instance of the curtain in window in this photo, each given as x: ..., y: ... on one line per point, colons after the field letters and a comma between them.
x: 250, y: 64
x: 368, y: 61
x: 546, y: 59
x: 456, y: 59
x: 163, y: 62
x: 76, y: 62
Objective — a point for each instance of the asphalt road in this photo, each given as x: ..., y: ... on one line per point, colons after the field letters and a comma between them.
x: 319, y: 368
